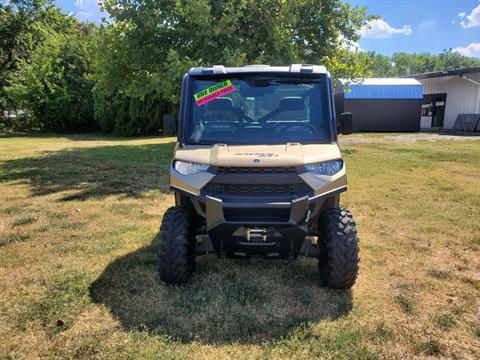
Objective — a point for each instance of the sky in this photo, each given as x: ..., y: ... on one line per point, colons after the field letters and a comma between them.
x: 404, y: 25
x: 422, y: 25
x: 84, y: 10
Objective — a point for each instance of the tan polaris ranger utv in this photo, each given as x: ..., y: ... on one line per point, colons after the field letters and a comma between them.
x: 257, y: 172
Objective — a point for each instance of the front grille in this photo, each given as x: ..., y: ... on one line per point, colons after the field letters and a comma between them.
x: 296, y: 189
x: 257, y: 214
x: 222, y: 170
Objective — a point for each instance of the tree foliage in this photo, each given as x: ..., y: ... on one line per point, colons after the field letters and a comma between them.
x: 50, y: 82
x: 17, y: 37
x: 402, y: 64
x: 123, y: 75
x: 149, y: 44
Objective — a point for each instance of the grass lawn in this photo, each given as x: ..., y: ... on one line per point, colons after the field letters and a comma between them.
x: 79, y: 216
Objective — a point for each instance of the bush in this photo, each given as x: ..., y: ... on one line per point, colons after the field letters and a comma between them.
x: 128, y: 116
x: 52, y: 85
x: 19, y: 123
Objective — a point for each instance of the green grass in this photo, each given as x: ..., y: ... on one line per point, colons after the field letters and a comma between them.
x: 439, y: 274
x: 23, y: 220
x: 431, y: 347
x: 8, y: 238
x: 406, y: 303
x: 445, y: 321
x: 79, y: 218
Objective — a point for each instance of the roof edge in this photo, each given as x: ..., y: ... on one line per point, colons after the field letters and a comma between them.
x: 453, y: 72
x: 388, y: 81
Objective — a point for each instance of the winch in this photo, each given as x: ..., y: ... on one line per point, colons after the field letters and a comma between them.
x: 257, y: 234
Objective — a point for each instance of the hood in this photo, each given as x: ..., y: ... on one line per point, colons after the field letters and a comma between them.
x: 291, y: 154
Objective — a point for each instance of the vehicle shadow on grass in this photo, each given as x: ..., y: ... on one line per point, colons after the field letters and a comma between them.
x: 246, y: 301
x: 81, y: 173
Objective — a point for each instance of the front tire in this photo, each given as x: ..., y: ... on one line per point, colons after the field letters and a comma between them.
x: 175, y: 246
x: 339, y: 257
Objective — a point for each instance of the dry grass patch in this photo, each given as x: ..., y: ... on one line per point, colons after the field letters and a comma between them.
x: 79, y: 219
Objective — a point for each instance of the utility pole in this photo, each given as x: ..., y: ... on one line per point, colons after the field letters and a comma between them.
x: 445, y: 58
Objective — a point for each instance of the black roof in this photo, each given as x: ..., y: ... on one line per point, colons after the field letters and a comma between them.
x: 454, y: 72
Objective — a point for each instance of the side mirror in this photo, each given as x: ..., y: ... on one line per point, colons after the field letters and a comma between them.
x: 345, y: 125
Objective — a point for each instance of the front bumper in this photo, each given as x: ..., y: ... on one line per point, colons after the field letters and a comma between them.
x: 283, y: 237
x: 280, y: 239
x: 299, y: 210
x: 258, y: 211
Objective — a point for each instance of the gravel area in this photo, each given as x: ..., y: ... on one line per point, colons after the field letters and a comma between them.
x: 408, y: 138
x: 430, y: 137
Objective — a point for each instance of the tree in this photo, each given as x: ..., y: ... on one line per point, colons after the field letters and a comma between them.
x: 381, y: 65
x: 50, y: 83
x: 403, y: 64
x: 456, y: 61
x: 142, y: 54
x: 17, y: 37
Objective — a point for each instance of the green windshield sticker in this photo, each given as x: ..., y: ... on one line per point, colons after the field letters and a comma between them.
x: 213, y: 92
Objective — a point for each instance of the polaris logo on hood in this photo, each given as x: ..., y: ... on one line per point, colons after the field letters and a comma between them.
x: 264, y: 155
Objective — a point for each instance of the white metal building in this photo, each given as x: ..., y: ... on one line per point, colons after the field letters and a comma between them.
x: 448, y: 94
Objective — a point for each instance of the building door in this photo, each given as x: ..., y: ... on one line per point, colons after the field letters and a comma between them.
x: 434, y: 106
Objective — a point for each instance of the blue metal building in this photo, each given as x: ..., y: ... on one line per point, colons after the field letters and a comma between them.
x: 382, y: 104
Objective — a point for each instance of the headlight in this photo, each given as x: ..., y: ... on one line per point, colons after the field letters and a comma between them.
x: 325, y: 168
x: 186, y: 168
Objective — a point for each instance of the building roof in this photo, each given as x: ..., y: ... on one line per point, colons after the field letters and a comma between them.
x: 454, y: 72
x: 384, y: 81
x: 384, y: 88
x: 294, y: 68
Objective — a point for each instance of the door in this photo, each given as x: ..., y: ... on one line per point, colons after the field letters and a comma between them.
x: 434, y: 106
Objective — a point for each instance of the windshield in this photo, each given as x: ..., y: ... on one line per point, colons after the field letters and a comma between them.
x: 258, y: 111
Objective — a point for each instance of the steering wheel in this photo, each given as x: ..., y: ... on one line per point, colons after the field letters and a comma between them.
x: 310, y: 128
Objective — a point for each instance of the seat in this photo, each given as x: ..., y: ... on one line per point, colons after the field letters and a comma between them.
x: 221, y: 109
x: 291, y: 108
